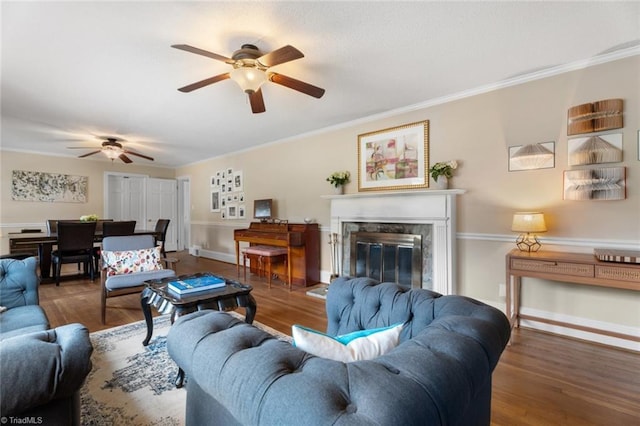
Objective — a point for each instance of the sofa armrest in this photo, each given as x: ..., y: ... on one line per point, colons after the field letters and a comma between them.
x: 261, y: 380
x: 39, y: 367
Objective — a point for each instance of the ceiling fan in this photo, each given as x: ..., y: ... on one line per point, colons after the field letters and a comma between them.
x: 251, y: 70
x: 112, y: 148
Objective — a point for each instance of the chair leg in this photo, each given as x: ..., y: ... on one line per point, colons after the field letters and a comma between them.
x: 58, y: 271
x: 103, y: 306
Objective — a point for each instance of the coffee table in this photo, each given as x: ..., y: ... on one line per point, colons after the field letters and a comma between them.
x: 233, y: 295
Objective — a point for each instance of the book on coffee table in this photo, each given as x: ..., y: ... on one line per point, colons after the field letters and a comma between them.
x: 196, y: 284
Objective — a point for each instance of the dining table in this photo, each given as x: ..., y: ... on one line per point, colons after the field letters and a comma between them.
x: 42, y: 243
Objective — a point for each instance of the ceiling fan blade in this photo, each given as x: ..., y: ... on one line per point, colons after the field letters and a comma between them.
x: 206, y: 53
x: 257, y: 102
x: 125, y: 158
x: 138, y: 155
x: 280, y: 56
x: 203, y: 83
x: 91, y: 153
x: 300, y: 86
x: 81, y: 147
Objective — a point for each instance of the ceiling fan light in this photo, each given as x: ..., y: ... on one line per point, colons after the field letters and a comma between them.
x: 112, y: 152
x: 249, y: 78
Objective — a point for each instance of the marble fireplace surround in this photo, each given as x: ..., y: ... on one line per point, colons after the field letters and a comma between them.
x: 433, y: 207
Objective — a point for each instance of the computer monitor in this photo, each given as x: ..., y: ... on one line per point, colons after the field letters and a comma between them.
x: 262, y: 209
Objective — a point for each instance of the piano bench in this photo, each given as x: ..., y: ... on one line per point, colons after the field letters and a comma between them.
x: 266, y: 256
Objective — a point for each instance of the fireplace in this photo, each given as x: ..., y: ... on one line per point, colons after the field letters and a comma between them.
x: 387, y: 257
x: 419, y: 248
x: 395, y: 252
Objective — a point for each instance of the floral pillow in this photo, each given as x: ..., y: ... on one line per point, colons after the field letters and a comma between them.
x: 131, y: 261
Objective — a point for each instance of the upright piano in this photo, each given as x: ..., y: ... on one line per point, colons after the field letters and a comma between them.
x: 302, y: 241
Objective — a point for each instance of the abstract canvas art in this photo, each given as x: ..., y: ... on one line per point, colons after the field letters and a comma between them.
x: 48, y: 187
x: 394, y: 158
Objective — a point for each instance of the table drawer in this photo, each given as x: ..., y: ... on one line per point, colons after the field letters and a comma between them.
x: 563, y: 268
x: 618, y: 273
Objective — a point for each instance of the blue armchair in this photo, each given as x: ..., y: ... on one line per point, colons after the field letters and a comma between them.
x: 19, y: 296
x: 42, y: 369
x: 439, y: 374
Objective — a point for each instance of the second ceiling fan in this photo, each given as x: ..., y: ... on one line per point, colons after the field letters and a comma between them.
x: 251, y: 70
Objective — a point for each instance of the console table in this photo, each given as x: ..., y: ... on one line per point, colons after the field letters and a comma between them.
x: 575, y: 268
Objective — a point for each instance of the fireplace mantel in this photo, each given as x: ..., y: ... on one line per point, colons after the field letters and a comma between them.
x: 435, y: 207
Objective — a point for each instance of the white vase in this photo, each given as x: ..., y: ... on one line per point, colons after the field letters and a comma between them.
x: 441, y: 183
x: 339, y: 190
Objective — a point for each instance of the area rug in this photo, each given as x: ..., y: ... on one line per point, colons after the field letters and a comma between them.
x: 131, y: 384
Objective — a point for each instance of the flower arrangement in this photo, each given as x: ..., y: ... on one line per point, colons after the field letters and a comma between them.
x: 339, y: 178
x: 444, y: 168
x: 89, y: 218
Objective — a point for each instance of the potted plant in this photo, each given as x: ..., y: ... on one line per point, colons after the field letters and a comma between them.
x: 89, y: 218
x: 445, y: 170
x: 339, y: 179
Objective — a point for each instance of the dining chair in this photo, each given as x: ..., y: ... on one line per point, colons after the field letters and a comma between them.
x: 161, y: 229
x: 100, y: 223
x: 75, y: 245
x: 118, y: 228
x: 127, y: 262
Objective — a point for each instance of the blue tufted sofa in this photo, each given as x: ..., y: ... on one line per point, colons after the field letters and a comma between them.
x: 440, y: 374
x: 42, y: 369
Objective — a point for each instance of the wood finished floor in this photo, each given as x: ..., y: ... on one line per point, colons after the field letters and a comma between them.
x: 541, y: 379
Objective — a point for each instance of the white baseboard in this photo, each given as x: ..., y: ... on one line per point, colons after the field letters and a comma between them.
x: 578, y: 321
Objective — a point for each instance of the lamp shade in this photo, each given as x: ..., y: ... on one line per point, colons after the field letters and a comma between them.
x: 528, y: 222
x: 249, y: 78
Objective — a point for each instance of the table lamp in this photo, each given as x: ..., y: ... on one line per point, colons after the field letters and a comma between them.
x: 528, y: 224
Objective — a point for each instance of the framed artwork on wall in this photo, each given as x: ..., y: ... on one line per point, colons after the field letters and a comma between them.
x: 606, y: 183
x: 394, y: 158
x: 532, y: 157
x: 596, y: 149
x: 215, y: 201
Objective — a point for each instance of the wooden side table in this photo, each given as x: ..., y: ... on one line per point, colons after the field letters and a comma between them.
x: 574, y: 268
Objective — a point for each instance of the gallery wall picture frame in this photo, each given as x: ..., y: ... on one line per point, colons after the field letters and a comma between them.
x: 232, y: 211
x: 242, y: 211
x: 215, y: 201
x: 532, y: 157
x: 596, y: 149
x: 238, y: 181
x: 394, y: 158
x: 604, y: 183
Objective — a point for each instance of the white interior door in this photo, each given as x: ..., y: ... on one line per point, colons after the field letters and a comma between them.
x: 184, y: 213
x: 125, y: 199
x: 162, y: 203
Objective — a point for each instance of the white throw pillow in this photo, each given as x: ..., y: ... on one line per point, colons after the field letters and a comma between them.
x: 357, y: 346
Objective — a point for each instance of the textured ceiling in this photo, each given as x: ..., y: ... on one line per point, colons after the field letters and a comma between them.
x: 72, y: 71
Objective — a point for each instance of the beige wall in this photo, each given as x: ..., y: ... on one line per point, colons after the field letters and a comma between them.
x: 477, y: 132
x: 15, y: 215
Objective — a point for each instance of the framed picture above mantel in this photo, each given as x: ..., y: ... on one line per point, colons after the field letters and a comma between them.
x: 394, y: 158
